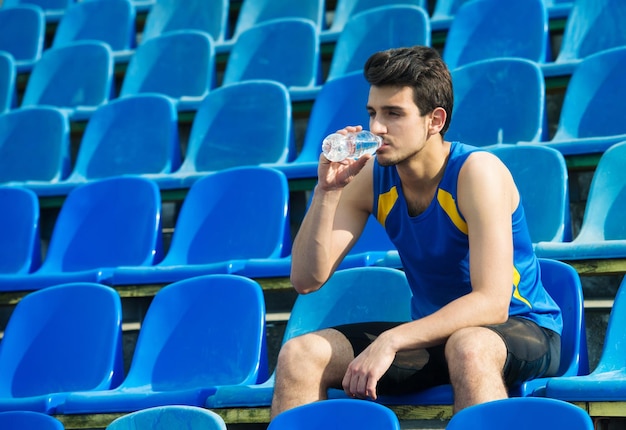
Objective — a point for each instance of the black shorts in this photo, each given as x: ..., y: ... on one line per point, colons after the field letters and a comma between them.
x: 532, y: 352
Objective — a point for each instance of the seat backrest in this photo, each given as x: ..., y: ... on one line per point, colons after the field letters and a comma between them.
x: 613, y: 356
x: 593, y: 101
x: 212, y: 226
x: 218, y: 141
x: 30, y: 153
x: 111, y: 21
x: 484, y: 29
x: 178, y: 64
x: 337, y: 414
x: 519, y: 413
x: 53, y: 9
x: 80, y: 74
x: 130, y: 135
x: 606, y: 203
x: 397, y: 26
x: 352, y: 295
x: 285, y: 50
x: 22, y: 32
x: 18, y: 420
x: 201, y: 332
x: 20, y: 248
x: 107, y: 223
x: 512, y: 90
x: 168, y: 418
x: 446, y: 9
x: 546, y: 202
x: 593, y: 26
x: 8, y: 77
x: 62, y: 338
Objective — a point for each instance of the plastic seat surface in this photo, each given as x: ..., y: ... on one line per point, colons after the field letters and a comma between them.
x: 30, y: 153
x: 22, y: 33
x: 53, y: 9
x: 522, y: 413
x: 217, y: 233
x: 590, y: 120
x: 352, y: 295
x: 179, y: 64
x: 102, y: 225
x: 20, y: 249
x: 60, y: 339
x: 8, y: 91
x: 18, y: 420
x: 483, y: 29
x: 512, y: 90
x: 338, y: 414
x: 197, y: 334
x: 77, y: 78
x: 169, y: 417
x: 111, y: 22
x: 603, y: 231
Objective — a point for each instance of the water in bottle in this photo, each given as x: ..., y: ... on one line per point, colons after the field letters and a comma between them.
x: 338, y: 147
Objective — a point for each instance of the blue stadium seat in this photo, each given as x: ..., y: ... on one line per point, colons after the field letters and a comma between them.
x: 607, y: 382
x: 19, y: 420
x: 102, y: 225
x: 346, y: 9
x: 484, y: 29
x: 603, y: 231
x: 559, y: 9
x: 592, y: 26
x: 133, y: 135
x: 20, y: 248
x: 22, y: 33
x: 215, y: 232
x: 218, y: 141
x: 512, y: 90
x: 351, y: 295
x: 197, y: 334
x: 53, y: 9
x: 591, y: 117
x: 39, y: 154
x: 169, y: 417
x: 8, y: 74
x: 337, y: 414
x: 443, y: 14
x: 396, y: 26
x: 60, y: 339
x: 179, y: 64
x: 77, y: 78
x: 111, y: 22
x: 522, y: 413
x: 284, y: 50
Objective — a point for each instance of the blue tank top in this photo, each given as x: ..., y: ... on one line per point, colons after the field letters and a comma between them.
x: 434, y: 247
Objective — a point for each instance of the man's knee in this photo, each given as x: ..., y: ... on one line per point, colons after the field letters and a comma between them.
x: 475, y: 347
x: 314, y: 350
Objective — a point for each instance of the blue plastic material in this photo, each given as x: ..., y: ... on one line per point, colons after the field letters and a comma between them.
x: 22, y: 34
x: 20, y: 249
x: 133, y: 135
x: 76, y: 77
x: 197, y: 334
x: 352, y: 295
x: 179, y: 64
x: 64, y: 338
x: 53, y: 9
x: 592, y: 26
x: 284, y: 50
x: 347, y: 9
x: 607, y: 382
x: 520, y: 414
x: 215, y: 231
x: 512, y: 90
x: 169, y: 418
x: 40, y: 153
x: 603, y: 231
x: 337, y: 414
x: 546, y: 201
x: 19, y: 420
x: 110, y: 21
x: 101, y: 225
x: 591, y: 118
x: 8, y: 74
x: 484, y: 29
x: 559, y: 9
x: 378, y: 29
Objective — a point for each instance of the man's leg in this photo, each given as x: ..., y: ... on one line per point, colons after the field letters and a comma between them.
x: 307, y: 366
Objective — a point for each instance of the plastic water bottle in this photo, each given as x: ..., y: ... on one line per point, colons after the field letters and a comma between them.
x: 338, y: 147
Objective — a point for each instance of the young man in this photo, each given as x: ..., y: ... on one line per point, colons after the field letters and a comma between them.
x: 482, y: 320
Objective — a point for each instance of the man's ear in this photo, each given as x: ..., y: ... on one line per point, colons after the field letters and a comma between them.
x: 437, y: 120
